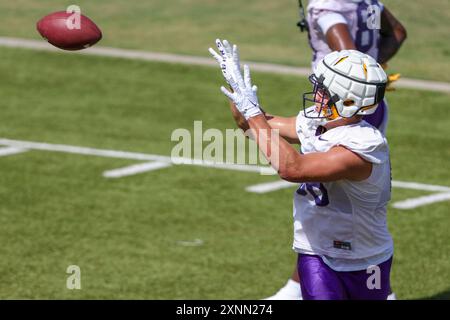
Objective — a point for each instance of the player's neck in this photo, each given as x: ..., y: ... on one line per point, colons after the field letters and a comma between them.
x: 342, y: 122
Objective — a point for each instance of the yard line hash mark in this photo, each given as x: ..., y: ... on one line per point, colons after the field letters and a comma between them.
x: 135, y: 169
x: 155, y: 162
x: 421, y: 201
x: 194, y: 243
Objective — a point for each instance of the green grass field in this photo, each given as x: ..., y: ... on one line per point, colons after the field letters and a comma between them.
x: 57, y: 210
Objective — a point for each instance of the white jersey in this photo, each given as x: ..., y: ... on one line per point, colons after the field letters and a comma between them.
x: 323, y: 14
x: 344, y: 219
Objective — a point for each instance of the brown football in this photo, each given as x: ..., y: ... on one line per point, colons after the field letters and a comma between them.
x: 65, y: 31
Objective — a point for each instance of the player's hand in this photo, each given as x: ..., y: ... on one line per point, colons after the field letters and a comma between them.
x: 391, y: 78
x: 228, y: 59
x: 244, y: 94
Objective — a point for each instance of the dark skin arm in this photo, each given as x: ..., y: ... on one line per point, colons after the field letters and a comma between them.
x: 392, y: 36
x: 339, y: 38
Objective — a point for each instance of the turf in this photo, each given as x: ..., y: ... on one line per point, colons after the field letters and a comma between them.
x: 58, y: 210
x: 265, y: 30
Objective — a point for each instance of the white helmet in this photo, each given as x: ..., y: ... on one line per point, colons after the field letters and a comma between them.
x: 352, y: 82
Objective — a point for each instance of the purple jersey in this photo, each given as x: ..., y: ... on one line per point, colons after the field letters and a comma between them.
x: 323, y: 14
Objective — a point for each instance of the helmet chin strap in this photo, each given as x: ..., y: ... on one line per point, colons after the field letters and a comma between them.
x: 368, y: 107
x: 334, y: 114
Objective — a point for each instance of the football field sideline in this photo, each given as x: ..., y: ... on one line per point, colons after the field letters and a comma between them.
x: 10, y: 42
x: 156, y: 162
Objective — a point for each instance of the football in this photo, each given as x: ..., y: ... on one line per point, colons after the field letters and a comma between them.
x: 69, y: 31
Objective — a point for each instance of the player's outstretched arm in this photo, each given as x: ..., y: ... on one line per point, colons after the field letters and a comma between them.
x: 336, y: 164
x: 285, y: 125
x: 238, y: 118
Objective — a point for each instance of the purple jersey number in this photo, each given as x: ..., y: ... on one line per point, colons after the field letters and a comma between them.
x: 364, y: 35
x: 321, y: 199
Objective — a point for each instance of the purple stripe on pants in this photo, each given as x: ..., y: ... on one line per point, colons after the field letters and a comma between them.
x: 319, y: 282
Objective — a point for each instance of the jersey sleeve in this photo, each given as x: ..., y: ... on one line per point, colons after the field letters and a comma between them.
x: 325, y: 14
x: 367, y: 142
x: 328, y: 19
x: 374, y: 153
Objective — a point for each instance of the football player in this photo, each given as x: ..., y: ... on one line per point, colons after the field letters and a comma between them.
x: 335, y: 25
x: 340, y: 232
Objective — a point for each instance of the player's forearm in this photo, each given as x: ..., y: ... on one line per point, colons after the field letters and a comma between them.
x: 286, y: 126
x: 238, y: 118
x: 281, y: 155
x: 388, y: 48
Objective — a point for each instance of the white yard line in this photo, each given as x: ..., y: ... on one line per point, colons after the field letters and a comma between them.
x: 443, y: 195
x: 135, y: 169
x: 421, y: 201
x: 130, y: 155
x: 83, y: 150
x: 203, y: 61
x: 8, y: 151
x: 277, y: 185
x: 419, y: 186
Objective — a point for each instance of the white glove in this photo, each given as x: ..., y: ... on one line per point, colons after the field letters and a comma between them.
x: 244, y: 95
x: 228, y: 59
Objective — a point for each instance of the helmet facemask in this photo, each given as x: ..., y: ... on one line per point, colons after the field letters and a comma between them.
x: 320, y: 96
